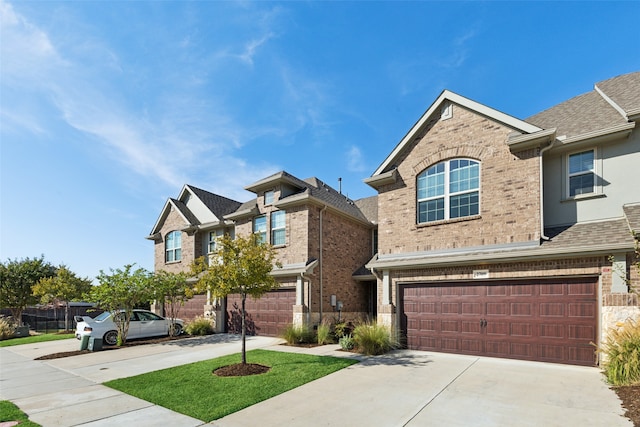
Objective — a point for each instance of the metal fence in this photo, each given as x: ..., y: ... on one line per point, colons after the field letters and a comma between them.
x: 51, y: 319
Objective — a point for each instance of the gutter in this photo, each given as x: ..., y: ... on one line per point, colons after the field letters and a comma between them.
x: 536, y: 254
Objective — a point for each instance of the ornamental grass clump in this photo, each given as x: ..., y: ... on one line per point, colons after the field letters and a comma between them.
x: 324, y: 334
x: 298, y: 334
x: 7, y: 327
x: 199, y: 326
x: 622, y: 351
x: 373, y: 339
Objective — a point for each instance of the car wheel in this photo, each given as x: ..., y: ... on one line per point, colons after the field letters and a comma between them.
x: 177, y: 330
x: 111, y: 338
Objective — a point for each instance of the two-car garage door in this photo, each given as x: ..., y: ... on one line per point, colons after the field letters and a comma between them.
x: 544, y: 320
x: 266, y: 316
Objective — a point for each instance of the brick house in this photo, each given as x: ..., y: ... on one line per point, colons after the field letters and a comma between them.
x: 512, y: 238
x: 322, y: 239
x: 186, y: 229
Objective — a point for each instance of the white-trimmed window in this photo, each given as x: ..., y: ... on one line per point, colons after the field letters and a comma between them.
x: 582, y: 173
x: 278, y: 228
x: 173, y: 246
x: 448, y: 190
x: 214, y: 236
x: 260, y: 227
x: 269, y: 197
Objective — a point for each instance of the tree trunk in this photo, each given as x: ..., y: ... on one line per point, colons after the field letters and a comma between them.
x: 66, y: 316
x: 244, y: 332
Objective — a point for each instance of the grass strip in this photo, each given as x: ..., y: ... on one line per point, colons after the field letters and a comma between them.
x: 195, y: 391
x: 10, y: 412
x: 34, y: 339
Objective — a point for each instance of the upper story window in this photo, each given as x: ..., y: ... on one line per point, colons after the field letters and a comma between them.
x: 582, y: 173
x: 448, y: 190
x: 269, y: 197
x: 173, y: 246
x: 213, y: 240
x: 278, y: 228
x: 260, y: 227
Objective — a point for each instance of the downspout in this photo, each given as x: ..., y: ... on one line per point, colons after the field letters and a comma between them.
x: 542, y: 235
x: 320, y: 260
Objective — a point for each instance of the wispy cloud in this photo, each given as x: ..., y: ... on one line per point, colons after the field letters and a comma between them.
x: 459, y: 50
x: 185, y: 136
x: 355, y: 160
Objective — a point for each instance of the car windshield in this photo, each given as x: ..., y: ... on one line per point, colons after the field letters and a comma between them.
x: 102, y: 316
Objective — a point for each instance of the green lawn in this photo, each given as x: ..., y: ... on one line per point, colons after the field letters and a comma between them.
x: 35, y: 338
x: 10, y: 412
x: 195, y: 391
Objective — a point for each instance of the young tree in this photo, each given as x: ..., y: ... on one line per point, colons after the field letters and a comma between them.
x: 65, y: 287
x: 242, y: 267
x: 172, y: 289
x: 17, y: 279
x: 120, y: 292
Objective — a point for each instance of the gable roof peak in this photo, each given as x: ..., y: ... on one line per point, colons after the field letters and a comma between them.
x: 435, y: 108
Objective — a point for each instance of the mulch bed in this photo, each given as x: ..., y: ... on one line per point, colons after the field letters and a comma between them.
x: 630, y: 396
x: 241, y: 370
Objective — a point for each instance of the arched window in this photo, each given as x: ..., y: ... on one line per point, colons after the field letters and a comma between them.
x: 447, y: 190
x: 173, y: 246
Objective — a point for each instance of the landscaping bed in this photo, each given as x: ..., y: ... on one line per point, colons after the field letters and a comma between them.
x: 630, y: 396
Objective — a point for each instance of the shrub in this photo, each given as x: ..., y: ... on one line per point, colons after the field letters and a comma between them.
x: 347, y: 342
x: 324, y: 334
x: 199, y: 326
x: 340, y: 329
x: 373, y: 339
x: 622, y: 350
x: 7, y: 327
x: 296, y: 334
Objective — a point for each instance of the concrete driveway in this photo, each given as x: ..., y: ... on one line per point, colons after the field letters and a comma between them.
x: 404, y: 388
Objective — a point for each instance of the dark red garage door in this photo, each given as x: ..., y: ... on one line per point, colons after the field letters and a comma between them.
x: 544, y: 320
x: 267, y: 316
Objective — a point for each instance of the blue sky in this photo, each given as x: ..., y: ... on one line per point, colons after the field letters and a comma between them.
x: 109, y: 108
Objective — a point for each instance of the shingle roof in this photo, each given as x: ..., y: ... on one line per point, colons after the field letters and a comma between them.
x: 369, y: 207
x: 219, y: 205
x: 329, y: 195
x: 185, y: 212
x: 591, y: 111
x: 632, y: 214
x: 623, y: 90
x: 579, y: 115
x: 589, y: 234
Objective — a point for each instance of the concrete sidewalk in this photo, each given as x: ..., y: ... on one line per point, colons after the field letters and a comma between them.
x: 403, y: 388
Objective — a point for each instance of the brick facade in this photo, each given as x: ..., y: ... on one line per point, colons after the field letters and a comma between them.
x: 509, y: 198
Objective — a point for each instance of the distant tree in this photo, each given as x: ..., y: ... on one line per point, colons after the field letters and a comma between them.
x: 17, y: 279
x: 241, y: 266
x: 123, y: 289
x: 173, y: 291
x: 64, y: 287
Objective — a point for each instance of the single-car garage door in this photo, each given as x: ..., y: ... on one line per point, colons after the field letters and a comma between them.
x: 543, y: 320
x: 267, y: 316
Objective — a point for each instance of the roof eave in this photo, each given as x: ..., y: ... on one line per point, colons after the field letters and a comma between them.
x: 242, y: 213
x: 597, y: 137
x: 531, y: 140
x: 496, y: 258
x: 385, y: 178
x: 307, y: 198
x: 294, y: 269
x: 271, y: 181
